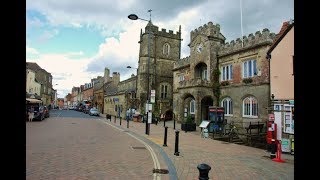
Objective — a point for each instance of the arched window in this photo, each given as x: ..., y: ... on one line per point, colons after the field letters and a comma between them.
x: 227, y: 104
x: 192, y: 106
x: 250, y: 107
x: 166, y: 49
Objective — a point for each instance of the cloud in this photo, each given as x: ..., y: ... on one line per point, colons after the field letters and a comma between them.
x: 30, y: 50
x: 46, y: 35
x: 65, y: 72
x: 117, y: 54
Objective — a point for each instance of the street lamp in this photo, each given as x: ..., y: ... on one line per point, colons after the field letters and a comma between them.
x: 135, y: 17
x: 135, y: 89
x: 55, y: 97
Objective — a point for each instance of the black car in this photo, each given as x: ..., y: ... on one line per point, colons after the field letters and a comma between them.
x: 39, y: 113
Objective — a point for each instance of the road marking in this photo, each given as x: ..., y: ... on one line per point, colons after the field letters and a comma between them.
x: 156, y: 140
x: 155, y: 160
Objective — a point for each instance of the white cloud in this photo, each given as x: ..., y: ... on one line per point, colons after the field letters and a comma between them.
x: 30, y: 50
x: 66, y: 72
x: 47, y: 35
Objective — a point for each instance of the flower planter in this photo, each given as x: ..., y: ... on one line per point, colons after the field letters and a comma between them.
x: 188, y: 126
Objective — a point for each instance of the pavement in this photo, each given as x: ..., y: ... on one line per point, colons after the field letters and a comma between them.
x: 227, y: 160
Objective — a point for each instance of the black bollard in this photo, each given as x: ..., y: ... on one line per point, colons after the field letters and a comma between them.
x: 128, y: 123
x: 203, y: 171
x: 164, y: 122
x: 176, y: 147
x: 174, y: 123
x: 165, y: 136
x: 120, y: 120
x: 273, y: 149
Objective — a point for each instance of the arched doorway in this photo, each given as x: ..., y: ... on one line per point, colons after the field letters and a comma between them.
x: 189, y: 106
x: 205, y: 103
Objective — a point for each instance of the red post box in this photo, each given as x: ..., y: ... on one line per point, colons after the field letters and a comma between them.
x: 271, y: 131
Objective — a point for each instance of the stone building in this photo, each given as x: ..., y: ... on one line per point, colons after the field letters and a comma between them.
x: 241, y: 85
x: 74, y: 93
x: 164, y: 52
x: 45, y: 79
x: 119, y: 95
x: 88, y: 92
x: 98, y: 93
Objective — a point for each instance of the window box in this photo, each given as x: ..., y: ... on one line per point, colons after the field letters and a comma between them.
x: 224, y: 83
x: 247, y: 80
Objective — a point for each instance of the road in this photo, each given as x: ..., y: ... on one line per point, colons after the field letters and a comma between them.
x: 73, y: 145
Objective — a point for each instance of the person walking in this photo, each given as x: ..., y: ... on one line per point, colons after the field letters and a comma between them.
x: 31, y: 113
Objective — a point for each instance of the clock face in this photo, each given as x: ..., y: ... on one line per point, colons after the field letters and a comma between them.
x: 199, y: 48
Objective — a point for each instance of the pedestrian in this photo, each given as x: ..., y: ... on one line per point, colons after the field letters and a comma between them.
x: 31, y: 113
x: 162, y: 117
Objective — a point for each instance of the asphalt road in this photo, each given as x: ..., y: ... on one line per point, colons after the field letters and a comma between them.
x: 73, y: 145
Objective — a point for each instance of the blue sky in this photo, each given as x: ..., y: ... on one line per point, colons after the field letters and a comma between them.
x: 76, y: 40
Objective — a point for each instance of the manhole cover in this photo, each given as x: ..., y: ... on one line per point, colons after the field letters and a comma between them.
x: 138, y: 147
x: 160, y: 171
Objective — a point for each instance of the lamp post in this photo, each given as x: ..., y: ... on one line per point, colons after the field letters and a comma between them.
x: 55, y: 97
x: 135, y: 17
x: 135, y: 89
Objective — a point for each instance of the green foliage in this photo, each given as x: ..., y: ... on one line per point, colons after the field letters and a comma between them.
x: 156, y: 111
x: 189, y: 119
x: 216, y: 85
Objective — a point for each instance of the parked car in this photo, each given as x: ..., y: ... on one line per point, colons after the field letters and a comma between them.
x: 86, y: 109
x: 46, y: 111
x: 38, y: 113
x: 94, y: 112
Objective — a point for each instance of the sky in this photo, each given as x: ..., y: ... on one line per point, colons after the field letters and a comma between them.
x: 75, y: 40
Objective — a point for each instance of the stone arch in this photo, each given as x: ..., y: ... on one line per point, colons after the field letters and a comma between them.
x: 201, y: 71
x: 186, y: 98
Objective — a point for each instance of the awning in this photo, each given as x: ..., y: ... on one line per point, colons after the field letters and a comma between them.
x: 30, y: 100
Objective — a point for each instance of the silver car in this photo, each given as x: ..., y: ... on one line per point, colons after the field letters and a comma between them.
x: 94, y: 112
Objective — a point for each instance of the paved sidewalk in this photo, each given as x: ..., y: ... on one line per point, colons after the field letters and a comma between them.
x: 227, y: 160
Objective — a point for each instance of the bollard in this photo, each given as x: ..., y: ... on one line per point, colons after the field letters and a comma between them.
x: 120, y: 120
x: 176, y: 147
x: 273, y: 149
x: 165, y: 136
x: 115, y: 119
x: 128, y: 123
x: 203, y: 171
x: 164, y: 122
x: 174, y: 123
